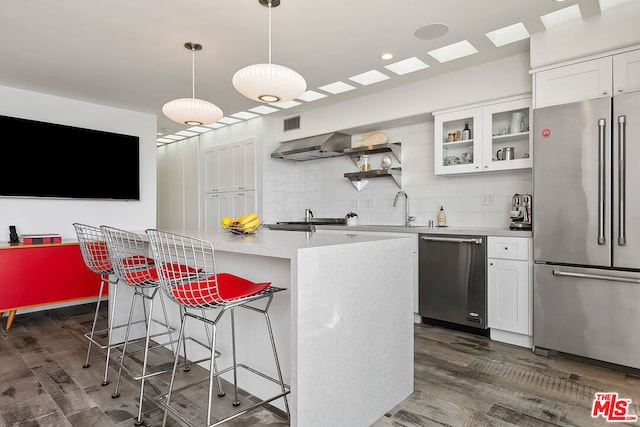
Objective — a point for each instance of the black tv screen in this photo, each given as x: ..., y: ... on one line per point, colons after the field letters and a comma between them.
x: 51, y: 160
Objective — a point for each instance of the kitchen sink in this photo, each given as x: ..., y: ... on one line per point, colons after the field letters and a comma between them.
x: 317, y: 221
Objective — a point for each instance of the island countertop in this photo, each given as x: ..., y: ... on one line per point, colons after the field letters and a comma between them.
x: 282, y: 244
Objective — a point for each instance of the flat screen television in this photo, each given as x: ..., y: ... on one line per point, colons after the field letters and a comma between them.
x: 50, y: 160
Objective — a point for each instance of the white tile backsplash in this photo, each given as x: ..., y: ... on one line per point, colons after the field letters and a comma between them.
x: 291, y: 187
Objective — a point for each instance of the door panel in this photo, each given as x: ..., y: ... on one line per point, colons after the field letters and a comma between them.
x: 626, y: 176
x: 588, y: 316
x: 566, y: 205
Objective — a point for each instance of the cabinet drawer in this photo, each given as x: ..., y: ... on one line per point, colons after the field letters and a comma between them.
x: 508, y: 247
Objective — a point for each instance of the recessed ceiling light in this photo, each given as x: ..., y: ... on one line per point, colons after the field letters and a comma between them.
x: 406, y: 66
x: 510, y: 34
x: 311, y: 95
x: 560, y: 16
x: 244, y: 115
x: 173, y: 137
x: 337, y: 87
x: 453, y: 51
x: 370, y: 77
x: 228, y: 120
x: 216, y: 125
x: 199, y: 129
x: 263, y: 109
x: 164, y: 140
x: 386, y: 56
x: 431, y: 31
x: 186, y: 133
x: 606, y: 4
x: 286, y: 105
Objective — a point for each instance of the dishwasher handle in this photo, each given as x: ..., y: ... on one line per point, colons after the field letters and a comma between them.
x: 475, y: 240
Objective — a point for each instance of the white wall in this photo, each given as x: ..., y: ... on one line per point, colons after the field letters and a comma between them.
x: 290, y: 186
x: 615, y: 28
x: 56, y: 216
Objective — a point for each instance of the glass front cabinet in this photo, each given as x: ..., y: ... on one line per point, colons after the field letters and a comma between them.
x: 498, y: 137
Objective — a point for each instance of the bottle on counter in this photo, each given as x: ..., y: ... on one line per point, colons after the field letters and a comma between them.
x: 442, y: 218
x: 466, y: 132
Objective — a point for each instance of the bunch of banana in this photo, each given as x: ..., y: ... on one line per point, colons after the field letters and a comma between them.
x: 247, y: 223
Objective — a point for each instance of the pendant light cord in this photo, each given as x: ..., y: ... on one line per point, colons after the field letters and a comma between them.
x: 269, y: 32
x: 193, y: 73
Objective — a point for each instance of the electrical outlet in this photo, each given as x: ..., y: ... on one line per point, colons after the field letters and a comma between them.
x: 487, y: 199
x: 371, y: 203
x: 355, y: 204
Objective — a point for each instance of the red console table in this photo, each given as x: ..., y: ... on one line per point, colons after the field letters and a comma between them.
x: 33, y: 275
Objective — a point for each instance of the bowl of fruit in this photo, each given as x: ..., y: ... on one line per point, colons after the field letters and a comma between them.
x: 248, y: 223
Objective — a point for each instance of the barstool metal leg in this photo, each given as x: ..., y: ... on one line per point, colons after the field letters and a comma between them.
x: 116, y: 393
x: 139, y: 421
x: 236, y: 400
x: 211, y: 344
x: 212, y: 372
x: 111, y: 309
x: 275, y: 356
x: 95, y: 320
x: 181, y: 341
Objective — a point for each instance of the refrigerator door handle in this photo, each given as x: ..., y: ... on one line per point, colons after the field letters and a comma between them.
x: 622, y: 146
x: 601, y: 180
x: 595, y: 276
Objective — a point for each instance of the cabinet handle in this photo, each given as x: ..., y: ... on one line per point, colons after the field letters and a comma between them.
x: 486, y: 166
x: 506, y: 248
x: 477, y: 167
x: 620, y: 89
x: 604, y: 92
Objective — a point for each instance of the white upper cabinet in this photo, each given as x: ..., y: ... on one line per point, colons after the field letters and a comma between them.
x: 601, y: 77
x: 626, y: 72
x: 230, y: 167
x: 499, y: 137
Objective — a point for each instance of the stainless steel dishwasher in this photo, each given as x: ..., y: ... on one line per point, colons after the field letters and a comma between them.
x: 453, y: 279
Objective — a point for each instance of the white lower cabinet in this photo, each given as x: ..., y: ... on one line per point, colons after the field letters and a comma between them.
x: 510, y: 290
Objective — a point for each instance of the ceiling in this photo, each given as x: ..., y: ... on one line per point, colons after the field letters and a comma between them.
x: 130, y: 54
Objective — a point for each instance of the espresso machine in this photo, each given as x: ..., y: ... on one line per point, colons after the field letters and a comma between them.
x: 520, y: 212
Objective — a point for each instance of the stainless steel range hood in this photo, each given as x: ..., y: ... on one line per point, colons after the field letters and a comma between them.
x: 314, y: 147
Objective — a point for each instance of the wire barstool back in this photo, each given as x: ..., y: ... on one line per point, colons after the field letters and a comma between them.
x: 204, y: 287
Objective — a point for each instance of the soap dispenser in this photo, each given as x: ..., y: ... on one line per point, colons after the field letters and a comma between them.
x: 442, y: 218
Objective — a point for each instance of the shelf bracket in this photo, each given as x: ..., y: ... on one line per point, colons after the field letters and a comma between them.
x: 359, y: 183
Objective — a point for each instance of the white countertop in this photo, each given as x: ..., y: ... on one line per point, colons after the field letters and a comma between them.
x: 501, y: 232
x: 282, y: 244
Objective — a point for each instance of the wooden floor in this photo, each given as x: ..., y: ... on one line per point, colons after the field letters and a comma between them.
x: 461, y: 379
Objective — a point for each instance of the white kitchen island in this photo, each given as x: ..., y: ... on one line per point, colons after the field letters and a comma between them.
x: 343, y: 327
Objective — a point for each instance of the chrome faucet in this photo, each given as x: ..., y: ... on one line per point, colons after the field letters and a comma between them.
x: 408, y: 218
x: 308, y: 214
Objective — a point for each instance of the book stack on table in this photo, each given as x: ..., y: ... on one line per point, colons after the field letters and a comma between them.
x: 34, y: 239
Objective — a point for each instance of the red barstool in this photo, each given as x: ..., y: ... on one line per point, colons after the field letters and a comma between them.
x: 135, y: 269
x: 96, y: 257
x: 210, y: 290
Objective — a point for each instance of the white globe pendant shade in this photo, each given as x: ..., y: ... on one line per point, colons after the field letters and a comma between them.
x: 192, y: 111
x: 269, y: 83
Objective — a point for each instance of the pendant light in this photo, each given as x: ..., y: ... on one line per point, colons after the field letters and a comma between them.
x: 269, y: 82
x: 192, y: 111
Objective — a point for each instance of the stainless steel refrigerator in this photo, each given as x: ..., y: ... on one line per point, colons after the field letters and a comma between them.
x: 586, y: 231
